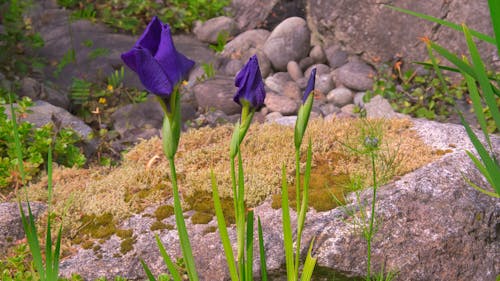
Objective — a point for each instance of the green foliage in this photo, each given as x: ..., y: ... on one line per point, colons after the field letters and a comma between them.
x: 422, y: 96
x: 18, y: 40
x: 134, y: 15
x: 222, y: 39
x: 34, y: 146
x: 69, y: 57
x: 98, y: 52
x: 116, y: 78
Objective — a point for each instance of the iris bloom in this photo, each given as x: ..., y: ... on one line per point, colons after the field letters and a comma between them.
x: 310, y: 85
x: 156, y: 61
x: 250, y: 85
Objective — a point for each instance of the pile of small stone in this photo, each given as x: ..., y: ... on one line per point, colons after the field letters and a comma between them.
x: 286, y: 59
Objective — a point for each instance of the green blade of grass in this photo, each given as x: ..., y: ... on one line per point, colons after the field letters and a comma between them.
x: 17, y: 141
x: 309, y: 265
x: 460, y: 64
x: 147, y: 270
x: 263, y: 266
x: 482, y: 77
x: 181, y: 225
x: 249, y: 247
x: 489, y: 193
x: 31, y: 235
x: 48, y: 249
x: 57, y: 252
x: 437, y: 69
x: 168, y: 261
x: 494, y: 6
x: 226, y: 243
x: 492, y: 169
x: 477, y: 105
x: 480, y: 166
x: 287, y: 228
x: 455, y: 26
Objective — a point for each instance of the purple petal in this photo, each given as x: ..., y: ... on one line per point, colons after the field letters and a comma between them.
x: 129, y: 59
x: 151, y: 73
x: 310, y: 85
x: 175, y: 64
x: 250, y: 84
x: 151, y: 36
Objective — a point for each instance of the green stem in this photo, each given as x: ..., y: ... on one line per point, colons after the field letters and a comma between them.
x: 298, y: 210
x: 181, y: 226
x: 372, y: 218
x: 297, y: 179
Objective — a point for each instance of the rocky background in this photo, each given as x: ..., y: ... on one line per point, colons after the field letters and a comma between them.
x: 435, y: 226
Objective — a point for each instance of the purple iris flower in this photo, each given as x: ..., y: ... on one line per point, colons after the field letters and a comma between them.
x: 155, y: 59
x: 310, y: 85
x: 250, y: 84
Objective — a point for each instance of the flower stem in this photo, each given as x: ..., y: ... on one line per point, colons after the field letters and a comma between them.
x: 372, y: 218
x: 181, y: 226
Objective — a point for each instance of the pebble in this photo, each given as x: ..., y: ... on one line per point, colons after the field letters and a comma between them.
x: 306, y: 62
x: 294, y: 70
x: 336, y: 57
x: 355, y: 75
x: 324, y: 83
x: 281, y: 104
x: 292, y: 90
x: 210, y: 29
x: 288, y: 41
x: 340, y: 96
x: 317, y: 54
x: 320, y: 69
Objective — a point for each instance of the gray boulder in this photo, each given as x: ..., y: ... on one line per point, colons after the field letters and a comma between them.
x: 217, y: 93
x: 250, y: 14
x: 288, y: 41
x: 11, y: 227
x: 369, y: 28
x: 38, y: 91
x: 433, y: 226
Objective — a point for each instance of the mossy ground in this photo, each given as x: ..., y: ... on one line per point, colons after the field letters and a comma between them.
x: 84, y: 196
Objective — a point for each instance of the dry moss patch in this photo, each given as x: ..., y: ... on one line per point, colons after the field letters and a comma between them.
x: 143, y: 178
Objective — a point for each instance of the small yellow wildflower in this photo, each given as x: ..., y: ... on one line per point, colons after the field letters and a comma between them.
x: 102, y: 100
x: 110, y: 88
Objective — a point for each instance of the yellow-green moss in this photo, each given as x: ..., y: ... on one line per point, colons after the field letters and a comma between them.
x: 158, y: 225
x: 201, y: 218
x: 163, y: 212
x: 210, y: 229
x: 127, y: 245
x: 87, y: 244
x: 124, y: 233
x: 98, y: 226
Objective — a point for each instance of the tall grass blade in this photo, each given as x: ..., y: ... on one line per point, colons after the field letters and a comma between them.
x: 482, y: 77
x: 181, y: 225
x: 17, y: 141
x: 168, y: 261
x: 309, y: 265
x: 226, y: 243
x: 460, y: 64
x: 147, y: 270
x: 455, y: 26
x: 437, y: 69
x: 495, y: 20
x: 492, y: 168
x: 263, y: 266
x: 249, y: 248
x: 477, y: 105
x: 287, y: 228
x: 32, y: 237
